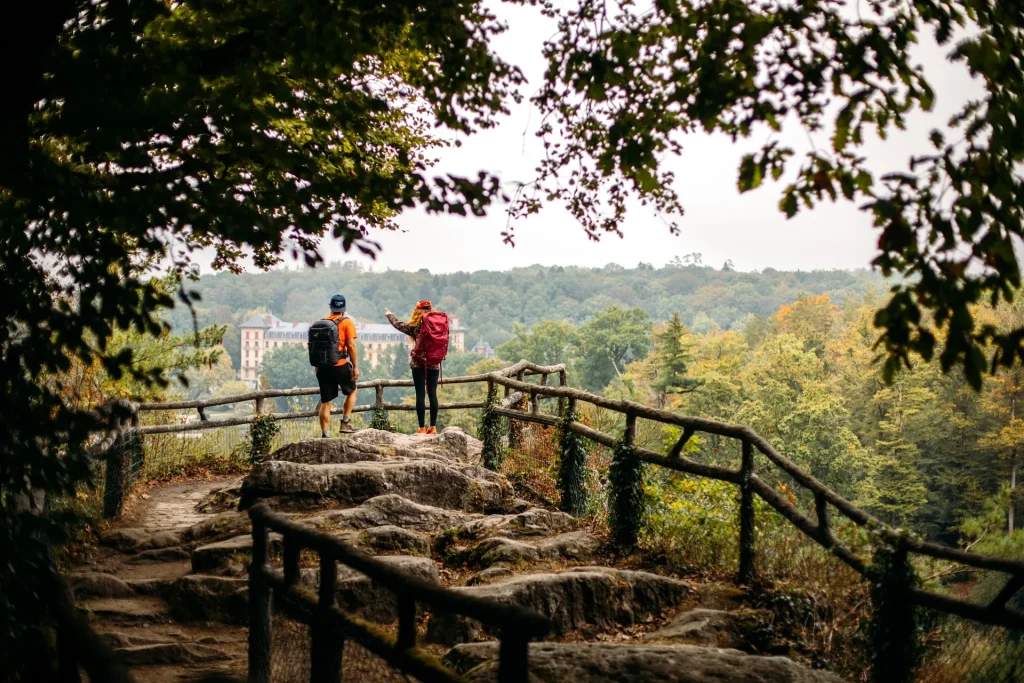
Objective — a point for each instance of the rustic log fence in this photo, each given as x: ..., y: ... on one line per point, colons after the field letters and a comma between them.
x: 895, y: 592
x: 126, y: 458
x: 330, y: 626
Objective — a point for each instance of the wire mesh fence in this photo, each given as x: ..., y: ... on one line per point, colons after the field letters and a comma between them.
x: 959, y: 650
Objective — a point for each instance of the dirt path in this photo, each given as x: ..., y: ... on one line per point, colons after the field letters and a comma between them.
x: 125, y: 592
x: 173, y: 506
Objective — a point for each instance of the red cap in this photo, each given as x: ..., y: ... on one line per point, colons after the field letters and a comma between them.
x: 423, y: 304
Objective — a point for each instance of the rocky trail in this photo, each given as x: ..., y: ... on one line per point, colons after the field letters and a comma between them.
x: 168, y: 588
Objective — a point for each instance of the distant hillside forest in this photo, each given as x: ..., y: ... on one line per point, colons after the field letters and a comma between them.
x: 490, y: 303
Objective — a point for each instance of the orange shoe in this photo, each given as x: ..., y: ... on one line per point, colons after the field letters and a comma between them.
x: 432, y: 430
x: 421, y: 430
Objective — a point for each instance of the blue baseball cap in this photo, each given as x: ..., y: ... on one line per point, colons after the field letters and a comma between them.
x: 337, y: 304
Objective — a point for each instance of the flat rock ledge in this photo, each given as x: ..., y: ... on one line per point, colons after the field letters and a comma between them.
x: 598, y: 597
x: 451, y: 445
x: 428, y: 482
x: 393, y: 510
x: 613, y: 663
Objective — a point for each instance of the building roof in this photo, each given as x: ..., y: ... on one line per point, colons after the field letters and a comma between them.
x: 482, y: 346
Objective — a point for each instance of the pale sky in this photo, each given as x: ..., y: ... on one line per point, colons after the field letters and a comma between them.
x: 719, y: 222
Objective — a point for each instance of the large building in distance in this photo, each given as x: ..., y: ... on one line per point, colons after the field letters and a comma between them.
x: 261, y: 334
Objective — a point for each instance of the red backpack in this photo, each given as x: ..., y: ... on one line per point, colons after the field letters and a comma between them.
x: 432, y: 341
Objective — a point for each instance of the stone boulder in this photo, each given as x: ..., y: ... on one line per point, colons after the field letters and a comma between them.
x: 429, y: 482
x: 597, y: 597
x: 714, y: 627
x: 576, y: 545
x: 394, y: 510
x: 612, y: 663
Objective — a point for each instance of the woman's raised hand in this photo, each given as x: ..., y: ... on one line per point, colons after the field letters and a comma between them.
x: 387, y: 311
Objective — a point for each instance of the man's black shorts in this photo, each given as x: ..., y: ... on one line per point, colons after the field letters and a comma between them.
x: 330, y: 379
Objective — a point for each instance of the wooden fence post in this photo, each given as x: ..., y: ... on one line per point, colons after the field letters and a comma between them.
x: 896, y: 648
x: 259, y: 405
x: 572, y: 466
x: 490, y: 427
x: 327, y: 644
x: 627, y: 488
x: 118, y: 476
x: 379, y: 418
x: 259, y: 606
x: 746, y: 573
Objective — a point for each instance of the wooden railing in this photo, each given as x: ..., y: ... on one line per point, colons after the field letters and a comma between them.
x: 901, y: 593
x: 260, y: 399
x: 330, y: 626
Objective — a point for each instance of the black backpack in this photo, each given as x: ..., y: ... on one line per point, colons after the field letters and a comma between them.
x: 323, y: 343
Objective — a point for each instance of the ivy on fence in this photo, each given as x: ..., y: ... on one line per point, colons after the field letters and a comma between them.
x: 895, y: 631
x: 626, y: 494
x: 261, y: 437
x: 379, y: 420
x: 572, y: 466
x: 491, y: 428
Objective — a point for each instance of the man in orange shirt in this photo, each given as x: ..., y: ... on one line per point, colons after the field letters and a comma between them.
x: 344, y: 374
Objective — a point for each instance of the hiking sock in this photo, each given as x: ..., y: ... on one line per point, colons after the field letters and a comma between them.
x: 323, y: 434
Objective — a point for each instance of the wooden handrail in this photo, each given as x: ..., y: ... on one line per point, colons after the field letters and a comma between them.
x: 819, y: 530
x: 743, y: 433
x: 528, y: 623
x: 522, y: 366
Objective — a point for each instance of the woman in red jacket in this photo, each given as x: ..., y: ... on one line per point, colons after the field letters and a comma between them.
x: 423, y: 378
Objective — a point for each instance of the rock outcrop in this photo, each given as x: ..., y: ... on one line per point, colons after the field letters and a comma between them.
x: 428, y: 482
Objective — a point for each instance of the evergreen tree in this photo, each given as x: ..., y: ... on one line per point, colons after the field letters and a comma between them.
x: 672, y: 358
x: 893, y: 488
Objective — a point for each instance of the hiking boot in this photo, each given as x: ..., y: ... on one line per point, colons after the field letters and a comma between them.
x: 421, y: 430
x: 432, y: 430
x: 346, y: 427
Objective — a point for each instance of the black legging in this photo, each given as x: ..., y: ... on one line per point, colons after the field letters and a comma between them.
x: 426, y: 385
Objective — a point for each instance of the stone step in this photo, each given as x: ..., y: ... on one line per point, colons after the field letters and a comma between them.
x: 579, y: 546
x: 600, y: 598
x: 138, y: 609
x: 392, y: 510
x: 613, y: 663
x: 172, y: 653
x: 531, y: 522
x: 138, y: 540
x: 429, y: 482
